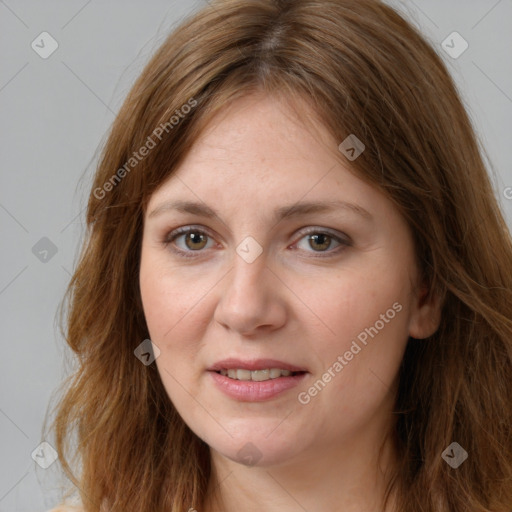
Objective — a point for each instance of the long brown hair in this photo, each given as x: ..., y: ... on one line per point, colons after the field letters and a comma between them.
x: 366, y: 71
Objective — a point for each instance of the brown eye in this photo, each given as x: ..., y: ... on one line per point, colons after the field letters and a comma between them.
x: 323, y: 243
x: 320, y: 241
x: 195, y: 240
x: 187, y: 241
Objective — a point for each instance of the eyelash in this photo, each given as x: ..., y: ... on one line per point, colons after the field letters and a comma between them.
x: 172, y: 236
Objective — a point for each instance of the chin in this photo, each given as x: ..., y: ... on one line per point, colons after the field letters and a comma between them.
x: 259, y: 450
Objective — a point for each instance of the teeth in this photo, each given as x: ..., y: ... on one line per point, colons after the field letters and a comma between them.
x: 260, y: 375
x: 243, y: 374
x: 256, y: 375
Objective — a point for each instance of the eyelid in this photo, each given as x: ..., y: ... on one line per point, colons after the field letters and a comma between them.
x: 338, y: 235
x: 192, y: 228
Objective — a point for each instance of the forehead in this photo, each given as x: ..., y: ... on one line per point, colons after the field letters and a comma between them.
x: 265, y: 122
x: 260, y: 142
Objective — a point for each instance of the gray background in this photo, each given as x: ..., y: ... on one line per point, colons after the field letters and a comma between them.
x: 55, y: 113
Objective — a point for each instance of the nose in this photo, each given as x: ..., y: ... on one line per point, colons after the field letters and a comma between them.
x: 252, y: 298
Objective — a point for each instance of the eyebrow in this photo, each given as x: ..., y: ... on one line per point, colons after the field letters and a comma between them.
x: 285, y: 212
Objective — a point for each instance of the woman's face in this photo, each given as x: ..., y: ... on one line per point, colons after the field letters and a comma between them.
x: 280, y: 290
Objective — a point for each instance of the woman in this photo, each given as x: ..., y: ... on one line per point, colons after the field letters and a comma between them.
x: 296, y: 288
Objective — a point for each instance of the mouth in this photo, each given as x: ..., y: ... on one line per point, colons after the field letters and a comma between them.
x: 255, y: 380
x: 257, y: 375
x: 255, y: 369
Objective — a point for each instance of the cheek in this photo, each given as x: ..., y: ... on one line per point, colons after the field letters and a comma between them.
x: 172, y: 328
x: 173, y: 317
x: 367, y: 318
x: 159, y: 306
x: 171, y: 298
x: 177, y: 307
x: 355, y: 301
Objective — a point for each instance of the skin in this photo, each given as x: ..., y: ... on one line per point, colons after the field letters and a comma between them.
x: 301, y: 301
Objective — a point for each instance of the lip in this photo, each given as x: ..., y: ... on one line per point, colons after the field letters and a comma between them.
x: 253, y: 365
x: 253, y: 391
